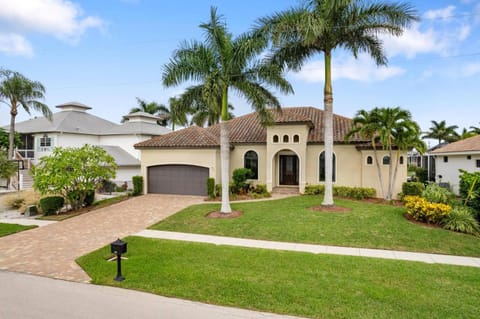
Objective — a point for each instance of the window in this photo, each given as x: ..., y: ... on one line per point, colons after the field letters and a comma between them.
x: 322, y: 167
x: 386, y: 160
x: 285, y: 139
x: 401, y: 160
x: 478, y: 163
x: 369, y: 160
x: 296, y: 139
x: 275, y: 139
x: 445, y: 159
x: 45, y: 141
x: 251, y: 162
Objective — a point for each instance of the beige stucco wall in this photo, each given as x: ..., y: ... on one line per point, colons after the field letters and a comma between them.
x: 237, y: 160
x: 209, y: 158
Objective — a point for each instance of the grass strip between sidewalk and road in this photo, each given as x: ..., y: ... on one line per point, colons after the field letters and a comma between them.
x: 8, y: 229
x: 302, y: 284
x: 291, y: 219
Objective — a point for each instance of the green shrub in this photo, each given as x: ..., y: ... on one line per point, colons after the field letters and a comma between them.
x: 314, y: 189
x: 50, y: 205
x: 108, y: 186
x: 89, y: 198
x: 239, y: 177
x: 260, y: 189
x: 211, y: 187
x: 120, y: 189
x: 436, y: 194
x: 413, y: 188
x: 421, y: 174
x: 137, y: 185
x: 470, y: 189
x: 422, y: 210
x: 461, y: 219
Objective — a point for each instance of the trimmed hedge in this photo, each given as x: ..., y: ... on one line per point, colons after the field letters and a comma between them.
x: 137, y: 185
x: 412, y: 188
x: 211, y: 187
x: 50, y: 205
x: 343, y: 191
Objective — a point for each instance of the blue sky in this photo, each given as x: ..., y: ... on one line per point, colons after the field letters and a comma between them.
x: 105, y: 53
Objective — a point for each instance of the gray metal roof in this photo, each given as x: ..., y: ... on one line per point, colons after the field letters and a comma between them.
x: 122, y: 157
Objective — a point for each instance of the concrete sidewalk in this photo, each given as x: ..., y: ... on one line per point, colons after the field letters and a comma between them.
x: 31, y: 297
x: 26, y: 221
x: 315, y: 249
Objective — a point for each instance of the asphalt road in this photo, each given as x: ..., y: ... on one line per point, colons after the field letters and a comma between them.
x: 24, y: 296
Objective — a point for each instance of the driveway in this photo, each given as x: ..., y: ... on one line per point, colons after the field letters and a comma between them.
x: 51, y: 250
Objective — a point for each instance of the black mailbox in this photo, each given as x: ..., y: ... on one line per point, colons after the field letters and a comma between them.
x: 119, y: 247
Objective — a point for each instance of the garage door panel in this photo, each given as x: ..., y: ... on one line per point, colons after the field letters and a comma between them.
x: 178, y: 179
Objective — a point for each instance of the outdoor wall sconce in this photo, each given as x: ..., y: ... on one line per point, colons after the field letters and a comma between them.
x: 119, y: 247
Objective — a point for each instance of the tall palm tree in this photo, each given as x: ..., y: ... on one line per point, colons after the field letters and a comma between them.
x: 395, y: 130
x: 475, y: 129
x: 442, y: 132
x: 146, y: 107
x: 321, y: 26
x: 175, y: 114
x: 222, y: 64
x: 17, y: 91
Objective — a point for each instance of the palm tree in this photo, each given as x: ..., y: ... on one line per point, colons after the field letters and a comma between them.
x: 222, y: 64
x: 146, y: 107
x: 17, y: 90
x: 475, y: 129
x: 442, y: 132
x: 394, y: 129
x: 324, y: 25
x: 176, y: 114
x: 466, y: 133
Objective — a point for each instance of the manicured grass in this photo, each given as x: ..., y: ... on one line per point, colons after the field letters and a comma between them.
x: 292, y: 220
x: 302, y: 284
x: 8, y: 229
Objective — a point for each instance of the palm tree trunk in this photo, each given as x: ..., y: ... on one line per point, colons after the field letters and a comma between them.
x: 11, y: 137
x: 225, y: 155
x: 389, y: 192
x: 328, y: 131
x: 379, y: 169
x: 392, y: 182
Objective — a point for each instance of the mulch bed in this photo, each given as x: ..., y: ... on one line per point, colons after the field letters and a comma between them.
x: 331, y: 209
x: 233, y: 214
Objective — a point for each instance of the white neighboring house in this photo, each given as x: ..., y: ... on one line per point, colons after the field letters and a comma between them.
x: 464, y: 154
x: 74, y: 127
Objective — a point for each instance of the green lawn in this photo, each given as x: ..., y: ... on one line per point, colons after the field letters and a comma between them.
x: 292, y: 220
x: 302, y: 284
x: 8, y: 229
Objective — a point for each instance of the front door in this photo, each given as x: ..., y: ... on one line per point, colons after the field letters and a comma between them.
x: 288, y: 170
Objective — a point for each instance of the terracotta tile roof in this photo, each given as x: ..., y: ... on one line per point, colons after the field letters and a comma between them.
x: 192, y: 136
x: 248, y: 129
x: 471, y: 144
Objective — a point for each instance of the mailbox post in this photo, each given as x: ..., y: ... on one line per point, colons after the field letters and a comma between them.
x: 119, y: 247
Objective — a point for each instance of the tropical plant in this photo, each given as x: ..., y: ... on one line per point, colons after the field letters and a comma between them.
x: 145, y: 107
x: 470, y: 189
x: 222, y: 64
x: 321, y: 26
x: 73, y: 172
x: 475, y: 129
x: 461, y: 219
x: 4, y: 139
x: 7, y: 167
x: 395, y: 131
x: 17, y: 90
x: 436, y: 194
x: 467, y: 134
x: 442, y: 132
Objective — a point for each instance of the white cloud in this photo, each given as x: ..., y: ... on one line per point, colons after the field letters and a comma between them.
x: 362, y: 69
x: 60, y: 18
x: 445, y: 13
x: 470, y: 69
x: 14, y: 44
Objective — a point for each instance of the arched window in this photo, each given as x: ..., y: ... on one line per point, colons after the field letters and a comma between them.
x: 285, y: 139
x: 322, y: 167
x: 251, y: 161
x: 296, y: 138
x: 386, y: 160
x: 275, y: 139
x: 369, y: 160
x: 401, y: 160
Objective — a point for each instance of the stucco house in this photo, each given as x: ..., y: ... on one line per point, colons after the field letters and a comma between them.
x: 289, y: 153
x: 463, y: 154
x: 73, y: 126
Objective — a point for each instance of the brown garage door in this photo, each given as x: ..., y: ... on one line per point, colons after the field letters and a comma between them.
x: 178, y: 179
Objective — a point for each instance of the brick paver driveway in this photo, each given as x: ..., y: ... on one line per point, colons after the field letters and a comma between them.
x: 51, y: 250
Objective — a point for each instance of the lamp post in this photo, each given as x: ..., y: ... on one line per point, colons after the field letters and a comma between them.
x: 119, y: 247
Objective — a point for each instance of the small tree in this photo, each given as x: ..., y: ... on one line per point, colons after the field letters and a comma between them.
x: 7, y: 168
x: 73, y: 172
